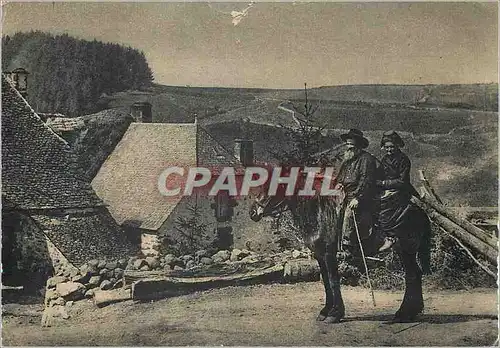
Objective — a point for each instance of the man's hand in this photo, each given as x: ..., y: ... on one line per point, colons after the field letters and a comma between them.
x: 353, y: 204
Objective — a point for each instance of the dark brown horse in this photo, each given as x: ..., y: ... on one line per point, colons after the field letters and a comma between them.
x: 317, y: 219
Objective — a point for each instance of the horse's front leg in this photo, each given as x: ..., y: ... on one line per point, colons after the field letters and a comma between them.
x: 320, y: 256
x: 413, y: 302
x: 337, y: 310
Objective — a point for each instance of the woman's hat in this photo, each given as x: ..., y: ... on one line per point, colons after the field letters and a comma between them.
x: 357, y: 135
x: 393, y: 137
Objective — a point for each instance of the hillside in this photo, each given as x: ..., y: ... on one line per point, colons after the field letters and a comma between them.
x: 456, y: 146
x: 371, y: 107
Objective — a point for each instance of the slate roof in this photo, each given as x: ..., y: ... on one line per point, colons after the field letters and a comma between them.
x: 128, y: 179
x: 82, y: 237
x: 37, y: 165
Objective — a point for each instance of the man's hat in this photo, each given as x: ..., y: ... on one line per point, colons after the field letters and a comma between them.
x: 357, y: 135
x: 393, y: 137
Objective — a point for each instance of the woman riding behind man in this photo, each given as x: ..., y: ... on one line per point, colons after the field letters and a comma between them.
x: 395, y: 188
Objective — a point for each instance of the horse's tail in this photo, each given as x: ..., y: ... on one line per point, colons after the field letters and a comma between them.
x: 424, y: 250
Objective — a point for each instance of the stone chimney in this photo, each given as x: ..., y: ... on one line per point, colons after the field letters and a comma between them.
x: 19, y: 77
x: 141, y: 111
x: 243, y: 151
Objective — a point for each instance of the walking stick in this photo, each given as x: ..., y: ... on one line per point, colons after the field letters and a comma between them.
x: 364, y: 259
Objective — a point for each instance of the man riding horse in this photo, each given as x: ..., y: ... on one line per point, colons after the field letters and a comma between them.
x: 357, y: 180
x: 322, y: 226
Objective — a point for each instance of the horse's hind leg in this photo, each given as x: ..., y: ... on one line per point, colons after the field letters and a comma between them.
x: 413, y: 302
x: 337, y: 310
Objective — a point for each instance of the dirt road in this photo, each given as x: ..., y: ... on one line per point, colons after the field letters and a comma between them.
x: 268, y: 315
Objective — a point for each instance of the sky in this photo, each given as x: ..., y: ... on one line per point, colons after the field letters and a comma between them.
x: 284, y: 44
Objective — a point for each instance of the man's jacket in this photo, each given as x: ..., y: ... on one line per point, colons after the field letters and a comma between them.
x: 358, y: 177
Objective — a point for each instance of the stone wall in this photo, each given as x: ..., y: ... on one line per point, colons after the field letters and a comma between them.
x: 25, y: 254
x: 238, y: 232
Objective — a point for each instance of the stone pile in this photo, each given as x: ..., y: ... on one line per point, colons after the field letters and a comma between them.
x: 73, y: 284
x: 189, y: 261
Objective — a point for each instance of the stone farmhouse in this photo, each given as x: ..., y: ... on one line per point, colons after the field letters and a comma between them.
x: 51, y: 218
x: 128, y: 183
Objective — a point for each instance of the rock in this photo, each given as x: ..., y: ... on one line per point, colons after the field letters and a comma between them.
x: 89, y: 270
x: 52, y: 282
x: 93, y: 263
x: 296, y: 254
x: 178, y: 262
x: 71, y: 291
x: 50, y: 294
x: 178, y: 268
x: 64, y: 313
x: 201, y: 254
x: 89, y: 293
x: 235, y: 255
x: 81, y: 278
x: 206, y: 260
x: 190, y: 264
x: 139, y: 263
x: 130, y: 262
x: 110, y: 274
x: 186, y: 258
x: 144, y: 268
x: 118, y: 273
x: 118, y: 284
x: 69, y: 303
x: 94, y: 282
x: 250, y: 259
x: 169, y: 259
x: 57, y: 302
x: 102, y: 264
x: 112, y: 265
x: 122, y: 263
x: 103, y: 272
x: 106, y: 285
x: 221, y: 256
x: 153, y: 262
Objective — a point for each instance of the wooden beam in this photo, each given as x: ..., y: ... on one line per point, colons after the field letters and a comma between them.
x: 105, y: 297
x: 466, y: 225
x: 427, y: 188
x: 467, y: 238
x: 156, y: 288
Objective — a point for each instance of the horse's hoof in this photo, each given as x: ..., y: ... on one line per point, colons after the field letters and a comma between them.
x: 320, y: 317
x: 404, y: 317
x: 335, y: 316
x: 333, y: 320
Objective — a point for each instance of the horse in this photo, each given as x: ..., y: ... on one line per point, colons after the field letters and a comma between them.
x: 317, y: 219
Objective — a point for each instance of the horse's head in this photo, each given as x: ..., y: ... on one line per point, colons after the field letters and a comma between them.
x: 269, y: 205
x: 265, y: 205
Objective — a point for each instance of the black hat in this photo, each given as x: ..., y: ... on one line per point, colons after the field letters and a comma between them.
x: 393, y: 137
x: 357, y: 135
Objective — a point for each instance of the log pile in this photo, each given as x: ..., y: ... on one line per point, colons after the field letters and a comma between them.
x: 473, y: 237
